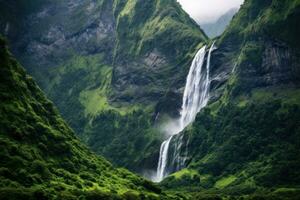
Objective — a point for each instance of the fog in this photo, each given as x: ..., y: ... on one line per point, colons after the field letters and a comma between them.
x: 206, y: 11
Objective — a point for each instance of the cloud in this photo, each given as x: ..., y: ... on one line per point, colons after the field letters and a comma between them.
x: 205, y: 11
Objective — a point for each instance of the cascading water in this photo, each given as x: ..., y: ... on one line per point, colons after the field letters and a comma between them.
x: 196, y: 95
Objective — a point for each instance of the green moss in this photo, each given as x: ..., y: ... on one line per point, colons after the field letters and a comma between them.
x: 251, y: 52
x: 185, y: 172
x: 224, y: 182
x: 286, y: 95
x: 275, y: 19
x: 40, y: 157
x: 93, y: 101
x: 246, y: 144
x: 159, y: 19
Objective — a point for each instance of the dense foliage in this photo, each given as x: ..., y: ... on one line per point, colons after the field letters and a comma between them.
x: 244, y: 148
x: 247, y: 140
x: 275, y: 18
x: 113, y: 63
x: 117, y: 69
x: 159, y: 24
x: 40, y: 156
x: 123, y: 134
x: 132, y: 140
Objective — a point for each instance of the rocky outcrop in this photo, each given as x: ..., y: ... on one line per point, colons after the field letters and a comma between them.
x: 280, y: 64
x: 254, y: 52
x: 222, y: 65
x: 143, y: 53
x: 61, y: 30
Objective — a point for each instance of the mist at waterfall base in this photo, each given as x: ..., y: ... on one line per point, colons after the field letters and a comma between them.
x: 195, y: 97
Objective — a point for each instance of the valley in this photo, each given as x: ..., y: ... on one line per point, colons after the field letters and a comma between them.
x: 139, y: 86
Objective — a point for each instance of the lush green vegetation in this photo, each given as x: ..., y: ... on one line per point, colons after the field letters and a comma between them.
x: 83, y: 86
x: 40, y: 156
x: 243, y: 149
x: 158, y: 25
x: 82, y: 79
x: 122, y: 133
x: 128, y: 140
x: 273, y: 18
x: 246, y: 143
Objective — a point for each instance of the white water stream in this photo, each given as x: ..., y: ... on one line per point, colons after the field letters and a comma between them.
x: 195, y: 97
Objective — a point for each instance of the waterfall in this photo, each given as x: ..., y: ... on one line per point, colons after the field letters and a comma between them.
x: 163, y: 156
x: 195, y: 97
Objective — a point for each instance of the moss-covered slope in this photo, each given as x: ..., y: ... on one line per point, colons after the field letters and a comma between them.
x: 104, y: 61
x: 260, y: 46
x: 40, y: 156
x: 247, y: 139
x: 153, y: 42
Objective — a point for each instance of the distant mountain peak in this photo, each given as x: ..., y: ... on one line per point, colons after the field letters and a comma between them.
x: 217, y: 27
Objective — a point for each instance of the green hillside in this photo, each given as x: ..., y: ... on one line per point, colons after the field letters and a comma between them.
x: 116, y: 71
x: 247, y: 140
x: 115, y: 62
x: 40, y: 156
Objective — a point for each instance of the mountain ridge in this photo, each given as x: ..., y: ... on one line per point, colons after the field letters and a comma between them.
x: 109, y: 64
x: 245, y: 140
x: 216, y: 28
x: 42, y: 158
x: 117, y: 75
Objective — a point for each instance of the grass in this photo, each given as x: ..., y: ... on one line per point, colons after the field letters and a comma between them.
x: 94, y: 101
x: 286, y: 95
x: 224, y: 182
x: 184, y: 172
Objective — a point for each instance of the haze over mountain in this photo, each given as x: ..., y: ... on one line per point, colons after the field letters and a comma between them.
x: 204, y: 12
x: 216, y: 28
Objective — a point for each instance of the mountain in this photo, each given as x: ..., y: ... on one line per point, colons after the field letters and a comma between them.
x: 107, y: 61
x: 40, y: 156
x: 247, y: 138
x: 217, y: 27
x: 116, y: 71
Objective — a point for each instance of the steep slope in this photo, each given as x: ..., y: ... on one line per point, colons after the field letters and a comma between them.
x: 247, y: 139
x: 158, y: 35
x: 256, y: 50
x: 216, y: 28
x: 40, y: 156
x: 104, y: 61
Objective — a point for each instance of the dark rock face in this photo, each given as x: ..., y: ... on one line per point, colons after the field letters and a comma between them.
x: 269, y: 63
x: 60, y: 30
x: 221, y: 67
x: 139, y: 76
x: 143, y: 68
x: 256, y: 49
x: 170, y: 103
x: 279, y: 64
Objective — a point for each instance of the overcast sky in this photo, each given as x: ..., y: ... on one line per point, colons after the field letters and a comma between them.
x: 204, y: 11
